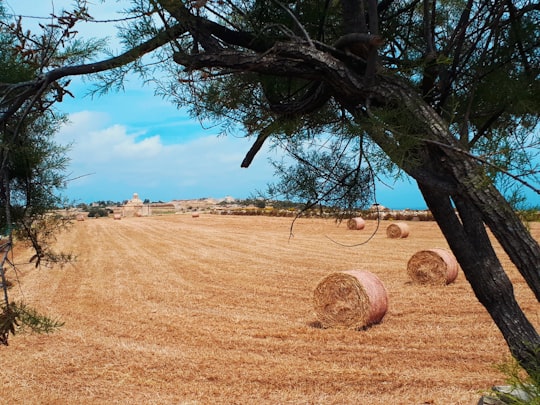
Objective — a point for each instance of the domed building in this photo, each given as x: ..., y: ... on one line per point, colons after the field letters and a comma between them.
x: 134, y: 207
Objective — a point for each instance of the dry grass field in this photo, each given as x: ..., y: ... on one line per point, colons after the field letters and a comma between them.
x: 218, y: 310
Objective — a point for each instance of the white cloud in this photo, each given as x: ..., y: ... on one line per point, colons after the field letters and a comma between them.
x: 119, y: 163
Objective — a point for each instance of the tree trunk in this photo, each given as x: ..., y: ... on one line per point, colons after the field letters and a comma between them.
x: 446, y: 175
x: 465, y: 176
x: 497, y: 213
x: 470, y: 243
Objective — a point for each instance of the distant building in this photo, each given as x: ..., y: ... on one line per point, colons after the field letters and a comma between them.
x: 134, y: 207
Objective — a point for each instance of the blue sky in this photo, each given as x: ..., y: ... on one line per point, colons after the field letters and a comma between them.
x: 133, y: 141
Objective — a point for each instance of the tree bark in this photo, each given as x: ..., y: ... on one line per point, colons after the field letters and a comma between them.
x: 469, y: 241
x: 498, y: 215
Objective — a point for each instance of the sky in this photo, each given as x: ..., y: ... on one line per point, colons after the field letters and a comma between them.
x: 135, y: 142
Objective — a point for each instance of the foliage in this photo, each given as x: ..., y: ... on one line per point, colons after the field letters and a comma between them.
x: 530, y: 215
x: 32, y: 164
x: 107, y: 203
x: 261, y: 202
x: 330, y: 177
x: 32, y: 176
x: 98, y: 212
x: 19, y: 317
x: 522, y: 388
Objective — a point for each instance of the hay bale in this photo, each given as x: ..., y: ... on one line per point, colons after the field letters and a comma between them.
x: 80, y: 217
x: 356, y: 224
x: 354, y: 298
x: 117, y: 217
x: 433, y: 266
x: 397, y: 230
x: 195, y: 215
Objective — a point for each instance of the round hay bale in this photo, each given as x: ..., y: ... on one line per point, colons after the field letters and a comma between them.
x: 80, y: 217
x: 356, y: 224
x: 398, y: 230
x: 117, y: 217
x: 195, y: 215
x: 354, y: 298
x: 433, y: 266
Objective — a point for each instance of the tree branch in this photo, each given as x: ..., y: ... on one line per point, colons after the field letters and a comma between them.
x: 484, y: 161
x: 315, y: 97
x: 24, y: 91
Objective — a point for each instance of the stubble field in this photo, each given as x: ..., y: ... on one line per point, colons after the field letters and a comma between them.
x: 218, y: 310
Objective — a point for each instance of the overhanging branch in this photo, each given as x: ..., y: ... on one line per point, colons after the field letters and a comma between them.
x: 291, y: 59
x: 484, y: 161
x: 22, y: 92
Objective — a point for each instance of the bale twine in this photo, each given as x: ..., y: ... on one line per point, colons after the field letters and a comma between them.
x: 117, y: 216
x: 356, y: 224
x: 397, y: 230
x: 433, y: 266
x: 354, y: 298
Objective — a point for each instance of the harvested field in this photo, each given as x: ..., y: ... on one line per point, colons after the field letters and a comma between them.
x: 218, y: 310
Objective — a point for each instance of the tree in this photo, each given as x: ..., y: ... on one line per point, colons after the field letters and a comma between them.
x: 448, y: 91
x: 32, y: 165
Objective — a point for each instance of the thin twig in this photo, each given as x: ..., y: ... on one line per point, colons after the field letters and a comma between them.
x: 297, y: 22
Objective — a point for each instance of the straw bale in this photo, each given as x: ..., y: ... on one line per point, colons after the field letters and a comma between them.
x: 353, y: 299
x: 117, y: 216
x: 80, y: 217
x: 397, y: 230
x: 433, y: 266
x: 356, y: 224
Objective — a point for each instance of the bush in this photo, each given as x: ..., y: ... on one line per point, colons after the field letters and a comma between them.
x: 98, y: 212
x: 530, y: 215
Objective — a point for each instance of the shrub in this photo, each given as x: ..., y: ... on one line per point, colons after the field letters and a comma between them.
x: 522, y: 388
x: 98, y: 212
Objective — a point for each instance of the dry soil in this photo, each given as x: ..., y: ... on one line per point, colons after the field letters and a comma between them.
x: 218, y: 310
